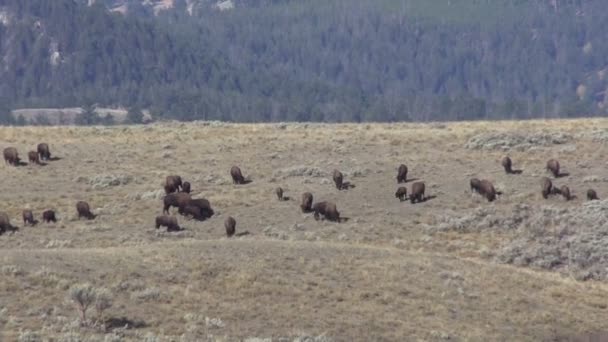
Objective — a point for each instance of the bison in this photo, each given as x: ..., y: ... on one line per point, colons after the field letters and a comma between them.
x: 200, y: 208
x: 475, y: 185
x: 417, y: 193
x: 186, y: 187
x: 49, y: 216
x: 279, y: 192
x: 84, y: 210
x: 401, y: 193
x: 237, y: 175
x: 28, y: 217
x: 33, y: 157
x: 553, y: 167
x: 11, y: 156
x: 338, y: 179
x: 546, y: 187
x: 565, y: 191
x: 177, y: 200
x: 167, y: 221
x: 507, y: 164
x: 486, y: 189
x: 173, y: 184
x: 5, y: 223
x: 44, y: 151
x: 591, y: 195
x: 306, y: 203
x: 230, y: 225
x: 328, y: 210
x: 402, y: 174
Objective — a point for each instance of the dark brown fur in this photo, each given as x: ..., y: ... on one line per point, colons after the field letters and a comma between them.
x: 328, y: 210
x: 33, y: 157
x: 546, y: 187
x: 279, y: 192
x: 565, y: 191
x: 230, y: 225
x: 186, y: 187
x: 11, y: 156
x: 5, y: 223
x: 417, y: 193
x: 553, y: 167
x: 84, y: 210
x: 177, y: 200
x: 237, y: 175
x: 203, y: 206
x: 401, y: 193
x: 402, y: 174
x: 306, y: 204
x: 507, y: 164
x: 591, y: 195
x: 486, y: 189
x: 167, y: 221
x: 173, y: 184
x: 44, y: 151
x: 338, y: 179
x: 49, y: 216
x: 475, y: 185
x: 28, y: 217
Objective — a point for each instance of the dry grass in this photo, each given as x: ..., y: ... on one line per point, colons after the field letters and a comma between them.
x: 383, y: 275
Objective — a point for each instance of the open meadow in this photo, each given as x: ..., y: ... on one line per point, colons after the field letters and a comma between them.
x: 455, y: 267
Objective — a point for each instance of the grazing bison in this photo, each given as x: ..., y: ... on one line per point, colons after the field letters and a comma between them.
x: 565, y: 191
x: 402, y: 174
x: 11, y: 156
x: 84, y: 210
x: 203, y: 210
x: 186, y: 187
x: 173, y: 184
x: 475, y: 185
x: 44, y: 151
x: 28, y: 217
x: 167, y: 221
x: 507, y: 164
x: 546, y: 187
x: 237, y: 175
x: 417, y: 193
x: 49, y: 216
x: 230, y: 225
x: 328, y: 210
x: 306, y: 204
x: 591, y: 195
x: 401, y: 193
x: 5, y: 223
x: 178, y: 200
x: 338, y: 179
x: 279, y: 192
x: 553, y: 167
x: 33, y: 157
x: 486, y: 189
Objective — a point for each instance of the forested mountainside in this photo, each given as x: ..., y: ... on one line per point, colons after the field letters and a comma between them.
x: 316, y: 60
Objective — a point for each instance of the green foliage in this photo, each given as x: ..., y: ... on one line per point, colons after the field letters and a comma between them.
x: 134, y: 116
x: 88, y: 116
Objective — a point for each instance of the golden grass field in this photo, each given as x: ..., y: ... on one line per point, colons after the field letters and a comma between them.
x: 380, y: 276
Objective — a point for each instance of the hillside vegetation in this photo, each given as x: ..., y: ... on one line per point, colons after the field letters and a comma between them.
x: 282, y: 60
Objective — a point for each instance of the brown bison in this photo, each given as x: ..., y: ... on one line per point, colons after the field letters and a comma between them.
x: 546, y: 187
x: 402, y: 174
x: 28, y: 217
x: 230, y: 225
x: 306, y: 204
x: 401, y: 193
x: 237, y: 175
x: 167, y: 221
x: 186, y: 187
x: 200, y: 208
x: 33, y: 157
x: 553, y: 167
x: 5, y: 223
x: 328, y: 210
x: 173, y: 184
x: 279, y: 192
x: 591, y: 195
x: 11, y: 156
x: 507, y: 164
x: 338, y: 179
x: 84, y: 210
x: 565, y: 191
x: 178, y: 200
x: 44, y: 151
x: 417, y: 193
x: 475, y: 185
x: 49, y: 216
x: 486, y: 189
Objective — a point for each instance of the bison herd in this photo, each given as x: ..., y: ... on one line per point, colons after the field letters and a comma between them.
x: 177, y: 194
